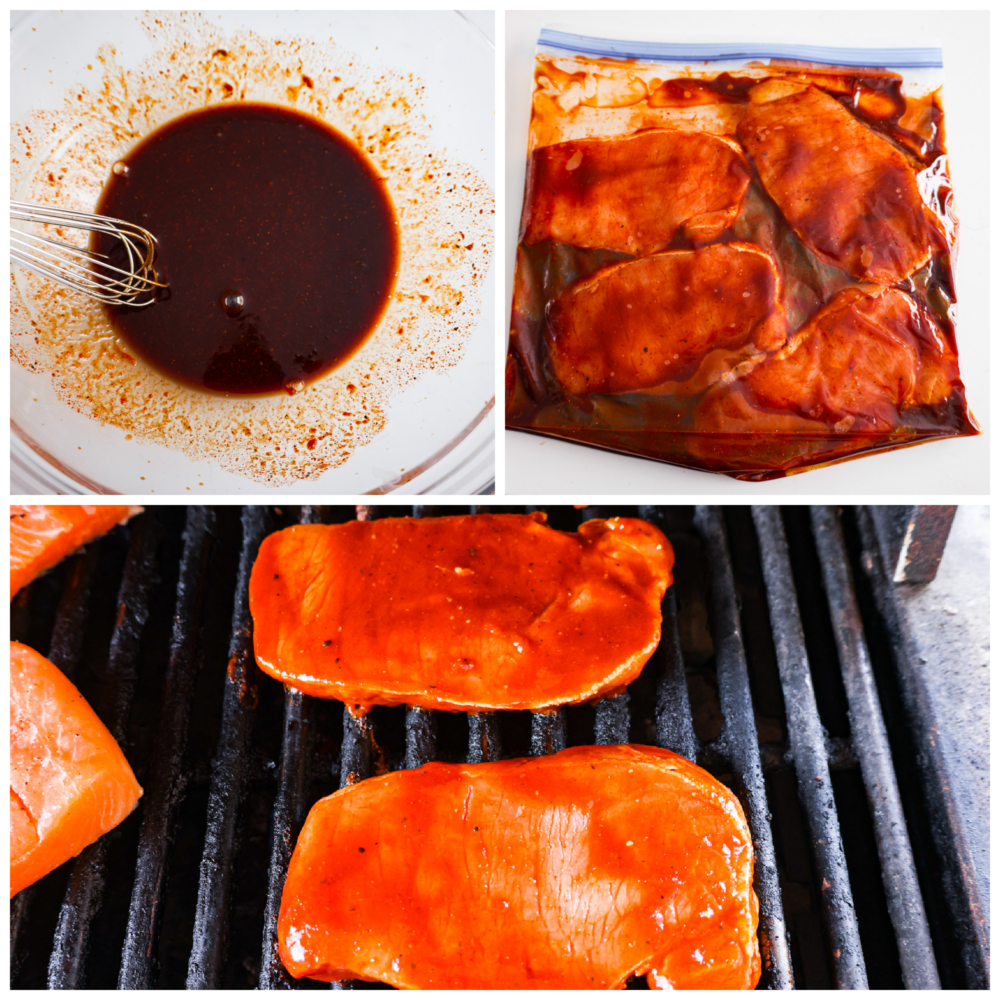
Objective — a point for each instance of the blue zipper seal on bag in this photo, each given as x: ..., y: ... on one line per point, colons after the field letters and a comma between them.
x: 901, y: 58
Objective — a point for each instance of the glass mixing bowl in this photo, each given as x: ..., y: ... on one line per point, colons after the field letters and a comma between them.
x: 439, y: 431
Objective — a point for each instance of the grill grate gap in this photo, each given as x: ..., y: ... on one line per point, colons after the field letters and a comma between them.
x: 821, y: 645
x: 165, y: 789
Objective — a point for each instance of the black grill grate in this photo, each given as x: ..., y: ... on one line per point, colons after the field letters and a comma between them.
x: 186, y: 892
x: 167, y: 781
x: 808, y: 750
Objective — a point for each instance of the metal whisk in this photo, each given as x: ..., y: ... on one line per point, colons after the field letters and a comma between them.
x: 134, y: 283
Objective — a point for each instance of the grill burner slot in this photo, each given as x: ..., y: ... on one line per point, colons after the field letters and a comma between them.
x: 230, y: 761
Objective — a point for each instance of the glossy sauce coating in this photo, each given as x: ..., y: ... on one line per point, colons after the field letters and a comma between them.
x: 850, y: 195
x: 487, y: 611
x: 569, y: 871
x: 41, y: 536
x: 276, y: 236
x: 69, y: 781
x: 634, y: 193
x: 688, y: 317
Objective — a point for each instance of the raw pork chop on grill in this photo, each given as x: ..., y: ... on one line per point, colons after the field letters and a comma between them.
x: 41, y: 536
x: 69, y: 781
x: 570, y: 871
x: 473, y: 613
x: 681, y: 320
x: 634, y: 193
x: 850, y: 195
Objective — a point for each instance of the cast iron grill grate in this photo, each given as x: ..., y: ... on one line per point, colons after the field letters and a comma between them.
x: 763, y: 676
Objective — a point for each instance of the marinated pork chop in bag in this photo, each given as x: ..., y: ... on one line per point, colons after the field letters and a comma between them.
x: 737, y: 265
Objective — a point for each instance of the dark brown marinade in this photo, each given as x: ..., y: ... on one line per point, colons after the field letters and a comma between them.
x: 276, y: 236
x: 876, y: 100
x: 664, y: 427
x: 730, y: 89
x: 869, y: 94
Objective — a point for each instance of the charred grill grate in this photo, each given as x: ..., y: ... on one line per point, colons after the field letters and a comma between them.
x: 763, y: 676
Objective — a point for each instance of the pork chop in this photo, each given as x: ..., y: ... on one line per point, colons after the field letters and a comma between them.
x: 850, y: 195
x: 633, y: 193
x: 688, y: 317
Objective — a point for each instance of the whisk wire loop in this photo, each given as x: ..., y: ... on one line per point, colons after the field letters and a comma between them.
x: 80, y: 268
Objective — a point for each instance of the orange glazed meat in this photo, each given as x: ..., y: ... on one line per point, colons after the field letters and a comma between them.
x: 859, y: 362
x: 488, y: 611
x: 687, y: 317
x: 571, y: 871
x: 849, y: 194
x: 634, y: 193
x: 69, y: 781
x: 41, y: 536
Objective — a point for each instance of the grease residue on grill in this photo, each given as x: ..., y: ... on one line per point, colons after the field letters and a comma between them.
x: 277, y: 240
x: 444, y: 210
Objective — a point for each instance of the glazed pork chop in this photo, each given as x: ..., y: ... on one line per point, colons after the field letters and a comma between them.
x: 570, y: 871
x: 472, y: 613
